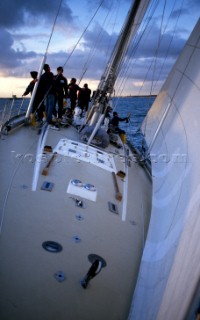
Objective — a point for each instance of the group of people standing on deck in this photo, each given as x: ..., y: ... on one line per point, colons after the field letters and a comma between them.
x: 51, y: 92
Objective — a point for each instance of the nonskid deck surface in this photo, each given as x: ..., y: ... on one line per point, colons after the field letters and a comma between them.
x: 38, y: 284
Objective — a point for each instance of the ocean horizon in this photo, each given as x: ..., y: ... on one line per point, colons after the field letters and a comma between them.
x: 137, y: 106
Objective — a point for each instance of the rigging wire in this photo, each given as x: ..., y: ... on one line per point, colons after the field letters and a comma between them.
x: 159, y: 44
x: 135, y: 45
x: 167, y: 52
x: 41, y: 68
x: 93, y: 49
x: 99, y: 38
x: 158, y: 47
x: 84, y: 31
x: 53, y: 27
x: 124, y: 73
x: 172, y: 37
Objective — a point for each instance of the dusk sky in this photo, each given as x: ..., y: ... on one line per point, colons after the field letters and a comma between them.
x: 25, y: 28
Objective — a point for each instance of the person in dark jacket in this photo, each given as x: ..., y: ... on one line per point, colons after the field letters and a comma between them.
x: 73, y: 90
x: 84, y: 97
x: 38, y: 105
x: 46, y: 89
x: 61, y: 91
x: 115, y: 122
x: 31, y: 85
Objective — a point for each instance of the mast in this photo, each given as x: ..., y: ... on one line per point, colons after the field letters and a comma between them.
x: 129, y: 29
x: 107, y: 82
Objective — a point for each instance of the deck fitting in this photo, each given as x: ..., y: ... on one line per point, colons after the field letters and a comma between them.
x: 76, y: 239
x: 60, y: 276
x: 52, y: 246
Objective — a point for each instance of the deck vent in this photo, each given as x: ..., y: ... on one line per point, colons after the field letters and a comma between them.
x: 52, y: 246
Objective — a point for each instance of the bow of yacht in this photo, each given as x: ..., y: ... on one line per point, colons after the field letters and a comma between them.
x: 85, y: 200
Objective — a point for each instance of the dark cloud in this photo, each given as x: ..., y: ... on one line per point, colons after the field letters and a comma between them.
x: 99, y: 37
x: 160, y: 45
x: 105, y: 4
x: 10, y: 58
x: 15, y: 14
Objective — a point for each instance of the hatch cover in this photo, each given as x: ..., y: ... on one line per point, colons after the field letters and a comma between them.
x: 86, y: 153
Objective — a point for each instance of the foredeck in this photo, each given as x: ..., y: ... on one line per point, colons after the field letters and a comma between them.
x: 29, y: 287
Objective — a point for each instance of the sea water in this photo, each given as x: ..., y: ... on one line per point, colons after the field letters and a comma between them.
x: 136, y: 106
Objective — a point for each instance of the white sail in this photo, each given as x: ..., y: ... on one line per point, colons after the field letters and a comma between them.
x: 170, y: 271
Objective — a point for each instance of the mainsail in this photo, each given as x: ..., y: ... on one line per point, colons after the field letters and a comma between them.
x: 169, y: 273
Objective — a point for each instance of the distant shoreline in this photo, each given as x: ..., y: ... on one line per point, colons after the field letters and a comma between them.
x: 142, y: 96
x: 128, y: 96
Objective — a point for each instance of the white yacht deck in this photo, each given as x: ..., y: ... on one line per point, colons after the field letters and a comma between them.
x: 102, y: 225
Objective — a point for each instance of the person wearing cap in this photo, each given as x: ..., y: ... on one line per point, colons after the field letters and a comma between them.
x: 31, y: 85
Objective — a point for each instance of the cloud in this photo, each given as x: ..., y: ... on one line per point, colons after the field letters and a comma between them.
x: 10, y: 58
x: 20, y: 53
x: 16, y: 14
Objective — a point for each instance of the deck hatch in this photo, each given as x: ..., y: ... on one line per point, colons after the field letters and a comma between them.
x: 83, y: 152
